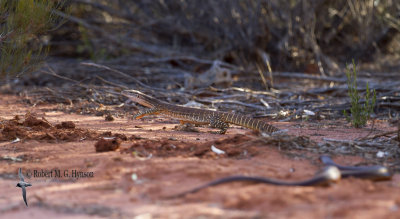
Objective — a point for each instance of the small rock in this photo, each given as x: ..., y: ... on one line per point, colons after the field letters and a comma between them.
x: 109, y: 118
x: 104, y: 145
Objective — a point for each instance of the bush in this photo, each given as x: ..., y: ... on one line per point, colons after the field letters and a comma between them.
x: 22, y: 22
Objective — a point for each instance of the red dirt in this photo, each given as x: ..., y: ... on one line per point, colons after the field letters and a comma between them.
x: 157, y: 161
x: 29, y: 127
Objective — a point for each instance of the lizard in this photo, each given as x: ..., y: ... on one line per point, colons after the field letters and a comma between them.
x: 214, y: 119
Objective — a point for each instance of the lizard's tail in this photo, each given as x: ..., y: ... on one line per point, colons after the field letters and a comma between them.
x: 248, y: 122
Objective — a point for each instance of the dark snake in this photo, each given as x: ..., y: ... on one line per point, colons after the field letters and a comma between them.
x: 331, y: 173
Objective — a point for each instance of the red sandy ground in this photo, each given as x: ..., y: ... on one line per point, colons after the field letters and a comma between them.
x: 167, y: 162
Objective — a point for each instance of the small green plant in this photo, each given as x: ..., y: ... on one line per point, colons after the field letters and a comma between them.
x: 359, y: 113
x: 22, y: 23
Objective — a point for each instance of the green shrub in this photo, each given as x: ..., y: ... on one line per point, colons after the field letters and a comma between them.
x: 22, y: 22
x: 359, y: 113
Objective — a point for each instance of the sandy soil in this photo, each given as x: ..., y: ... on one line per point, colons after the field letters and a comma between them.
x: 149, y: 160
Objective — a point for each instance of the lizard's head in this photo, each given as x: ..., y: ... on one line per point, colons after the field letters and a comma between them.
x: 140, y: 98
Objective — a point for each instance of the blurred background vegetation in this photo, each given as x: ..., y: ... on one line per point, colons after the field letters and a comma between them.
x: 294, y: 35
